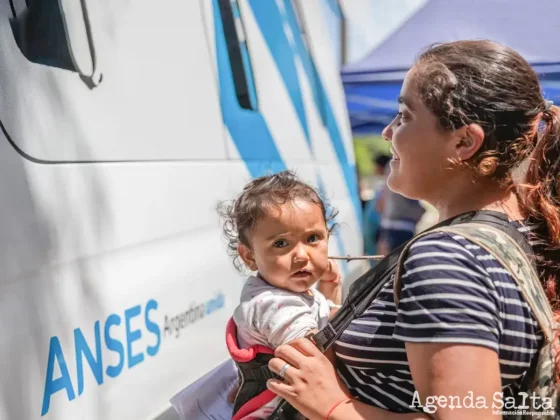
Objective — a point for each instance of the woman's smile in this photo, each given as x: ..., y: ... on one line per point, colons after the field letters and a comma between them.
x: 395, y: 155
x: 396, y: 159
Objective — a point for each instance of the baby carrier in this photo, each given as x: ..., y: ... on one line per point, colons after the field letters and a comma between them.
x: 488, y: 229
x: 253, y: 371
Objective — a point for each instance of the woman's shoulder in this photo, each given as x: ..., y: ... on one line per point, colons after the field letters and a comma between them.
x: 444, y: 257
x: 443, y: 262
x: 459, y: 292
x: 449, y: 242
x: 443, y: 245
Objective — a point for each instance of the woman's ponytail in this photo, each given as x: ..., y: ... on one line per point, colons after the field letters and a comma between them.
x: 541, y: 199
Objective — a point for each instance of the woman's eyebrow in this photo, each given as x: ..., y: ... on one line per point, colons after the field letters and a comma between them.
x: 406, y: 102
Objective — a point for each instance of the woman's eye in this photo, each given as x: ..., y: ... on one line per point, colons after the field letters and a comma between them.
x: 280, y: 243
x: 403, y: 117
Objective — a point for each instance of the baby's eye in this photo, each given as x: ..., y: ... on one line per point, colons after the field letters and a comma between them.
x: 313, y: 238
x: 280, y: 243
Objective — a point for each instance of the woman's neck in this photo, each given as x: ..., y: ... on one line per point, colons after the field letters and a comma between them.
x: 487, y: 196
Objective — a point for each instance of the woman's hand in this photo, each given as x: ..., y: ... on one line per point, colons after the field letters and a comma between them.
x: 310, y: 384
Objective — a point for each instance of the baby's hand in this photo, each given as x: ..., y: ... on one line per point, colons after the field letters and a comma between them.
x: 332, y: 275
x: 329, y: 285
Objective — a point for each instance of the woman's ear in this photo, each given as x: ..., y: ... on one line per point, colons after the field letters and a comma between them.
x: 247, y: 256
x: 468, y: 140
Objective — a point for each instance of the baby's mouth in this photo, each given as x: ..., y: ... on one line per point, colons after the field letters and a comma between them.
x: 395, y: 155
x: 302, y: 274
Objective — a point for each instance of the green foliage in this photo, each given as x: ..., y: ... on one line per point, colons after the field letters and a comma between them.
x: 363, y: 158
x: 366, y: 149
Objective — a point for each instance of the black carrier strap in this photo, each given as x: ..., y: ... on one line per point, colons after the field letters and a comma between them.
x: 253, y: 376
x: 361, y: 294
x: 366, y: 288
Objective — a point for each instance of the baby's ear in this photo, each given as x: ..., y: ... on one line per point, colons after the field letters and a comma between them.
x: 247, y: 256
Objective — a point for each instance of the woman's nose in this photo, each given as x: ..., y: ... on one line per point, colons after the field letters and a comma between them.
x: 387, y: 132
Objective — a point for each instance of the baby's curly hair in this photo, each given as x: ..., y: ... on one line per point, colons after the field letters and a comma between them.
x: 257, y: 198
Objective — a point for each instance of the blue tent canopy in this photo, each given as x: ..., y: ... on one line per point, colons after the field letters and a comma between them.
x: 531, y: 27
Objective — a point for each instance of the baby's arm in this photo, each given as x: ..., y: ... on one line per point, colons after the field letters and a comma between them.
x: 284, y: 317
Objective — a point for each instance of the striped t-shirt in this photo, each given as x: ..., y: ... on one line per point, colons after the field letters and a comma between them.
x: 453, y: 292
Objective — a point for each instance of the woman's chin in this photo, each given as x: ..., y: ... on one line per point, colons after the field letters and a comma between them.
x: 393, y: 182
x: 398, y: 185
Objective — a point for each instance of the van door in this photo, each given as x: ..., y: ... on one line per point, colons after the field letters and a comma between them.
x: 114, y: 292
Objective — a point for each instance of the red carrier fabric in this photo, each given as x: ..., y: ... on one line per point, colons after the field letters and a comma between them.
x: 252, y: 364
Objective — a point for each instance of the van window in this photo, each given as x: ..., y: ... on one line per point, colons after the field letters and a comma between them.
x: 158, y: 100
x: 238, y: 52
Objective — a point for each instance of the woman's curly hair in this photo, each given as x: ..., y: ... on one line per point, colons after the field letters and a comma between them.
x: 489, y: 84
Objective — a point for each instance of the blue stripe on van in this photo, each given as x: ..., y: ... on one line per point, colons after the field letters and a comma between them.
x: 248, y: 129
x: 235, y: 9
x: 335, y: 7
x: 271, y: 24
x: 305, y: 57
x: 318, y: 94
x: 324, y: 107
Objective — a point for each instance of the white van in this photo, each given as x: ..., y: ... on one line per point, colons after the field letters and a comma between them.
x: 123, y: 124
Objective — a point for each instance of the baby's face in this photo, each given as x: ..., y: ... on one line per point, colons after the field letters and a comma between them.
x: 289, y: 246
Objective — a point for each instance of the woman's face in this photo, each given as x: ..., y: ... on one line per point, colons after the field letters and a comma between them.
x: 420, y: 167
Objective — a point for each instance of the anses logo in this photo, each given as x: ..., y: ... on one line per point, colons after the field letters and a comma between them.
x: 105, y: 338
x: 94, y: 358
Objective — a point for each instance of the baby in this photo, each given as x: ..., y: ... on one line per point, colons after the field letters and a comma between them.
x: 278, y: 228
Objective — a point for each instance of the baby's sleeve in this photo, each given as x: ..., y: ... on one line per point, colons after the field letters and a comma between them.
x: 282, y: 318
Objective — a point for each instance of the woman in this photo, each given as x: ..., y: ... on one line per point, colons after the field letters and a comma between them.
x: 471, y: 113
